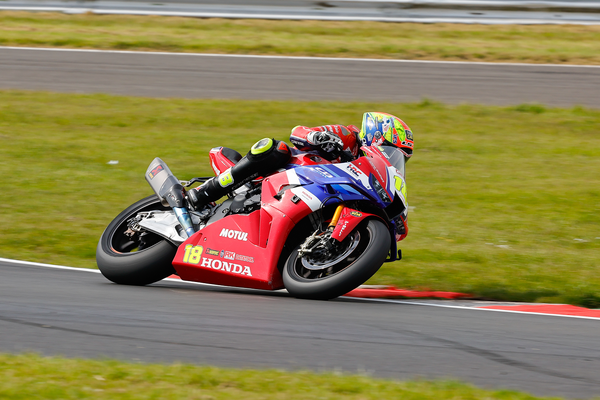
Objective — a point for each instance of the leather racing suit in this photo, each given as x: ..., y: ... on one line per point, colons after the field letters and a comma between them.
x: 332, y: 142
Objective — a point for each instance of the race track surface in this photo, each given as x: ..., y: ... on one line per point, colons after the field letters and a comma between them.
x: 80, y: 314
x: 214, y: 76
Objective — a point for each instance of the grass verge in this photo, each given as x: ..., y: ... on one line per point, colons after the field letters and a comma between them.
x: 505, y: 201
x: 495, y: 43
x: 31, y: 376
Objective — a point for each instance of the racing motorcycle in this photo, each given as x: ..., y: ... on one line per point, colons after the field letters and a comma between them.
x: 315, y: 228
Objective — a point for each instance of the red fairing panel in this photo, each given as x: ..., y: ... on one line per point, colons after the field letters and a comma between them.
x: 348, y: 221
x: 229, y: 252
x: 218, y: 161
x: 280, y: 183
x: 377, y: 164
x: 243, y: 250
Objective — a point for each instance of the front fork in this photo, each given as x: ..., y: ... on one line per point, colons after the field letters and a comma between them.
x: 321, y: 238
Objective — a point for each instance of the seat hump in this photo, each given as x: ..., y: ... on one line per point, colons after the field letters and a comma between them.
x: 231, y: 154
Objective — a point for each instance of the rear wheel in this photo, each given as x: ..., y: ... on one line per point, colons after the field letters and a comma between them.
x: 330, y: 274
x: 134, y: 258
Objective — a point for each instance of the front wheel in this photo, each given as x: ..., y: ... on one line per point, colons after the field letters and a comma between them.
x: 134, y: 258
x: 361, y: 255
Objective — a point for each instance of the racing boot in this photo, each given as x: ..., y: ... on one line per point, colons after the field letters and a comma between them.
x: 267, y: 155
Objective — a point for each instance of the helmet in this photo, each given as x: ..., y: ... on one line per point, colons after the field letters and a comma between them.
x: 380, y: 128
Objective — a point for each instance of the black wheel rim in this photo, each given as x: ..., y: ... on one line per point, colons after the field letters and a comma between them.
x: 122, y: 243
x: 299, y: 272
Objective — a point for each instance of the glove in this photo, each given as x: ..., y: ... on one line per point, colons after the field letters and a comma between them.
x: 328, y: 142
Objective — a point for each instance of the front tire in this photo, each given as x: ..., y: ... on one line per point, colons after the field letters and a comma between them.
x: 138, y: 259
x: 364, y: 261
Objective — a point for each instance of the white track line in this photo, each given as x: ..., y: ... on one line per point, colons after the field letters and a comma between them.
x: 34, y: 264
x: 416, y: 303
x: 409, y: 302
x: 164, y: 53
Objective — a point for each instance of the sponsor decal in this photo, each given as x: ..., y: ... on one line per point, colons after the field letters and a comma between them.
x: 226, y: 266
x: 155, y: 171
x: 298, y: 142
x: 212, y: 252
x: 323, y: 172
x: 353, y: 170
x: 193, y: 255
x: 305, y: 195
x: 409, y: 135
x: 229, y: 255
x: 343, y: 228
x: 232, y: 234
x: 240, y: 257
x: 356, y: 214
x: 222, y: 253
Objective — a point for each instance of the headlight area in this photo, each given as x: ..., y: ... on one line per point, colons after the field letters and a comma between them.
x: 380, y: 190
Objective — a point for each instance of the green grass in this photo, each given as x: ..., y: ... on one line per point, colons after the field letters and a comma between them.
x: 495, y: 43
x: 506, y: 199
x: 33, y: 377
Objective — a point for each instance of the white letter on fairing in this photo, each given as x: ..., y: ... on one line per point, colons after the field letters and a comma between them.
x: 214, y: 264
x: 205, y: 262
x: 237, y: 268
x: 226, y: 266
x: 247, y: 271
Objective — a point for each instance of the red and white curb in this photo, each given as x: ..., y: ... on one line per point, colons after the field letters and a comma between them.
x: 551, y: 309
x: 391, y: 294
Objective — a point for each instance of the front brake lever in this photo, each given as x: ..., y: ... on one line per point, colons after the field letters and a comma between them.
x: 194, y: 180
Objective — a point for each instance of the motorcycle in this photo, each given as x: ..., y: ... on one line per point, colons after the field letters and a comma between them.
x: 316, y: 228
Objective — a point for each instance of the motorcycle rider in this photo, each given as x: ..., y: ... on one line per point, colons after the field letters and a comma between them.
x: 336, y: 143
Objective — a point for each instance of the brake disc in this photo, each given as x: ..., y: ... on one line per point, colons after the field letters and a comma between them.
x: 315, y: 265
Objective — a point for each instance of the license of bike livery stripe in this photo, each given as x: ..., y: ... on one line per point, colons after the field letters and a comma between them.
x: 193, y: 255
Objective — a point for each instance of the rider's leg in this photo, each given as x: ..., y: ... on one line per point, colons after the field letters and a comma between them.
x: 265, y: 156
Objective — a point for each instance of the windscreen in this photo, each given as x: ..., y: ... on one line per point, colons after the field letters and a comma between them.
x: 394, y: 156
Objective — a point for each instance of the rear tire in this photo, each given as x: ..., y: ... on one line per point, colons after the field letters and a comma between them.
x: 352, y: 271
x: 134, y: 261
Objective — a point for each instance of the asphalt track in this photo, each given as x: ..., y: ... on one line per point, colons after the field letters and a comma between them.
x: 254, y: 77
x: 81, y: 314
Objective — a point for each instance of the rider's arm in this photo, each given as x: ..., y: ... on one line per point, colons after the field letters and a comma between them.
x: 305, y: 138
